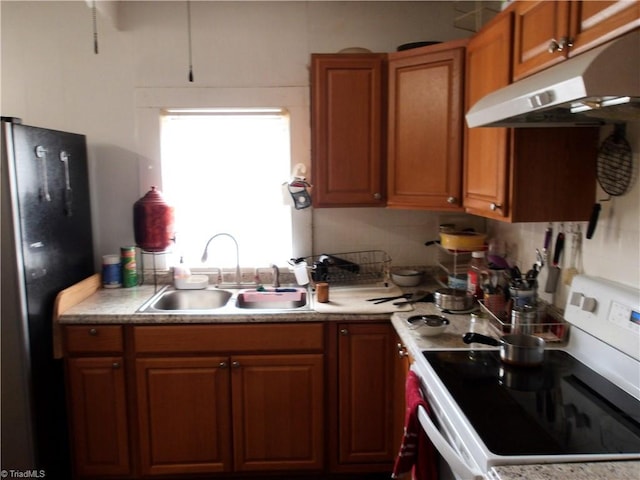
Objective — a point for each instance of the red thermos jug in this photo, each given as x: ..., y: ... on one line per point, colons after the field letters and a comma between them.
x: 153, y: 222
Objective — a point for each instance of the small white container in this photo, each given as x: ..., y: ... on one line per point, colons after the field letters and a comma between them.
x: 301, y: 272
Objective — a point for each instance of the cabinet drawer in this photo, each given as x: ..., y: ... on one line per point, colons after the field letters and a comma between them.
x: 268, y: 337
x: 93, y: 338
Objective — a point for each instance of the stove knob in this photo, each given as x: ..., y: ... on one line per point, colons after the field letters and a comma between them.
x: 589, y: 304
x: 576, y: 299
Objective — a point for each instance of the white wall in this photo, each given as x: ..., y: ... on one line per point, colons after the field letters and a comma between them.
x: 51, y: 78
x: 242, y: 52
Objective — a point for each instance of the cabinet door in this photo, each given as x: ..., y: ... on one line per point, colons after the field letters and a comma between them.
x: 346, y: 130
x: 486, y: 171
x: 538, y: 24
x: 425, y: 129
x: 402, y: 363
x: 597, y: 22
x: 184, y: 415
x: 366, y: 393
x: 278, y: 412
x: 98, y: 409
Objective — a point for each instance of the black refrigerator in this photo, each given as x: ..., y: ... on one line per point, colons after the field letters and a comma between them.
x: 46, y: 246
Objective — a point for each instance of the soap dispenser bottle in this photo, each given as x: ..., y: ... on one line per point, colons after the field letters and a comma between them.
x: 180, y: 273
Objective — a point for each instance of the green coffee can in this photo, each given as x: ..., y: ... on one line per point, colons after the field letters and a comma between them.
x: 129, y: 267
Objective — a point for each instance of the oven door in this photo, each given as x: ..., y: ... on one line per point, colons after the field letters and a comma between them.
x: 458, y: 463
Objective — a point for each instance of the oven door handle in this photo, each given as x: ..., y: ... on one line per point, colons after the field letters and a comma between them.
x: 458, y: 466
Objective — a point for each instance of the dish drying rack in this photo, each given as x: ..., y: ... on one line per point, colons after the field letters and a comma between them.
x: 550, y: 323
x: 349, y: 268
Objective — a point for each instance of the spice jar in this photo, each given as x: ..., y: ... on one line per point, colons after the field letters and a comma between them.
x: 322, y: 292
x: 153, y: 222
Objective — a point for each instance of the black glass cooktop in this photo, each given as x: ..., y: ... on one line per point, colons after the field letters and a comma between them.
x: 559, y: 408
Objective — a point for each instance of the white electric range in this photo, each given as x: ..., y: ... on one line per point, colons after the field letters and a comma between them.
x: 581, y: 405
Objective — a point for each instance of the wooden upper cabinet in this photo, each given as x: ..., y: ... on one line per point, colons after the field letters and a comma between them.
x: 347, y: 119
x: 486, y: 163
x: 541, y: 35
x: 425, y: 121
x: 595, y: 22
x: 548, y: 32
x: 522, y: 174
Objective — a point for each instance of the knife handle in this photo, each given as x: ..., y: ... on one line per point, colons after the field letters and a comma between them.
x: 558, y: 248
x: 548, y: 234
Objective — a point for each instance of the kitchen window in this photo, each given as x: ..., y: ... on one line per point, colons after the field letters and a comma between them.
x: 223, y: 170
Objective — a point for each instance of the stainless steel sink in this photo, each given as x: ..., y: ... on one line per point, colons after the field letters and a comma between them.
x: 188, y: 300
x: 217, y: 301
x: 271, y: 300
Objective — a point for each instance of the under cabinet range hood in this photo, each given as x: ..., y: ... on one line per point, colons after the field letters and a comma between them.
x: 594, y: 88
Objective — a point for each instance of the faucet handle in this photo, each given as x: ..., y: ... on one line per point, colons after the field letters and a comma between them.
x: 276, y: 275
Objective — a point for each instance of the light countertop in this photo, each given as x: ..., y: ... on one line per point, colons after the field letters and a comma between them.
x: 569, y: 471
x: 121, y: 305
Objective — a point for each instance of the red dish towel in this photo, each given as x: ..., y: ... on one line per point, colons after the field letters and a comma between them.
x: 417, y: 454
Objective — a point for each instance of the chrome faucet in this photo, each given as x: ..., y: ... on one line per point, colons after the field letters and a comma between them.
x: 276, y: 275
x: 205, y: 254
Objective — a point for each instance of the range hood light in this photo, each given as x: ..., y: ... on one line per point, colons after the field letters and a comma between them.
x: 586, y: 105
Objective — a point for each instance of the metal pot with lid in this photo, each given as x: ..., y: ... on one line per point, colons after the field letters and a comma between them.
x: 515, y: 349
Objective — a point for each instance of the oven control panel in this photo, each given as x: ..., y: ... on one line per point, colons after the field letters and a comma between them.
x: 625, y: 316
x: 607, y: 310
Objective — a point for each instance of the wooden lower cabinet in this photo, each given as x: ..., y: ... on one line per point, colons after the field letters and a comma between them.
x: 98, y: 416
x: 402, y: 365
x: 362, y: 407
x: 231, y: 401
x: 230, y: 414
x: 184, y: 415
x: 278, y: 405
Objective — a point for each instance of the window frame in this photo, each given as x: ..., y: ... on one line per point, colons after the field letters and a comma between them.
x: 151, y: 102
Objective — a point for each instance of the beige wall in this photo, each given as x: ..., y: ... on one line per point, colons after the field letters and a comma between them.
x: 52, y: 78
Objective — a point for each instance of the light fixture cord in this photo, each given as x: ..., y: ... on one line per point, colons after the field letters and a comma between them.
x: 189, y: 32
x: 95, y: 27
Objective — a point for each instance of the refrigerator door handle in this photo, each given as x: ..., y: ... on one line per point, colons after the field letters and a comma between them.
x: 41, y: 152
x: 64, y: 158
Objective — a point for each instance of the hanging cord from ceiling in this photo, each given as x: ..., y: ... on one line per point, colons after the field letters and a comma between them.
x: 189, y: 35
x: 95, y: 27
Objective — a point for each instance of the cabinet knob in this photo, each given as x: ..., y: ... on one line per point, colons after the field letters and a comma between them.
x: 560, y: 45
x: 223, y: 365
x: 93, y: 332
x: 452, y: 200
x: 495, y: 206
x: 235, y: 364
x: 565, y: 42
x: 554, y: 46
x: 377, y: 196
x: 402, y: 352
x: 344, y: 331
x: 115, y: 364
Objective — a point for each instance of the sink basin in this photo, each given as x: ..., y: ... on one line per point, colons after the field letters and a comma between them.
x: 191, y: 300
x: 216, y: 301
x: 272, y: 300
